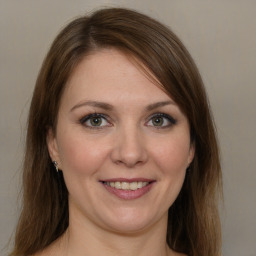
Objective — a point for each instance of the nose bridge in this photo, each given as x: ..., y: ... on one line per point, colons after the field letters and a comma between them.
x: 129, y: 148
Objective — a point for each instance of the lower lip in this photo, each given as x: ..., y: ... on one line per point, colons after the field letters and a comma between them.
x: 129, y: 194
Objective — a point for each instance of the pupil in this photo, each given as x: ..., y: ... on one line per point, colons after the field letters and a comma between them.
x: 96, y: 121
x: 158, y: 121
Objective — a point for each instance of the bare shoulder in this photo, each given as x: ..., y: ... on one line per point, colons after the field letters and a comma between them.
x: 177, y: 254
x: 50, y: 250
x: 44, y: 252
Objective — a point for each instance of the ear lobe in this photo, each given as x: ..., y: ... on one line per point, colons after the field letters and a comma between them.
x: 52, y: 146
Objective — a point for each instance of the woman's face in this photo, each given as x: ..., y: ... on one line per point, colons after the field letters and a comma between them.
x: 122, y: 143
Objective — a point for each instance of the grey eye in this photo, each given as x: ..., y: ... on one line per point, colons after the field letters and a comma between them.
x: 158, y: 121
x: 161, y: 120
x: 94, y: 120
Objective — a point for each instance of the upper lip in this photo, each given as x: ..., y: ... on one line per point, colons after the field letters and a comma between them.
x: 127, y: 180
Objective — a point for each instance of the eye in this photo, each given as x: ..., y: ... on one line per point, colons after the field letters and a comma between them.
x: 161, y: 120
x: 95, y: 121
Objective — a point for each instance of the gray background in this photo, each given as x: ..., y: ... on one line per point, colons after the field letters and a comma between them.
x: 221, y: 36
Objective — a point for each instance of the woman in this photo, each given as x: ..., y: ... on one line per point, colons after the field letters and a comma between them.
x: 121, y: 154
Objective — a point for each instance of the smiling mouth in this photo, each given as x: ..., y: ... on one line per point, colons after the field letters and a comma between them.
x: 123, y: 185
x: 128, y: 189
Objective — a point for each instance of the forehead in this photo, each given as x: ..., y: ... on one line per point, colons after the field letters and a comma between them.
x: 111, y: 75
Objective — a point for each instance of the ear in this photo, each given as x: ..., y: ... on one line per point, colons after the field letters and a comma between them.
x: 53, y: 147
x: 191, y: 153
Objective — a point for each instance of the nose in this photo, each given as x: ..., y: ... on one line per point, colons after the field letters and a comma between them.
x: 129, y: 148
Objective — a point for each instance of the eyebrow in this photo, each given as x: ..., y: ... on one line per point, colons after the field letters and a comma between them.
x: 96, y: 104
x: 159, y: 104
x: 107, y: 106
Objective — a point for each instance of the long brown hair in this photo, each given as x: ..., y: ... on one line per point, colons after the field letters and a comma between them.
x: 193, y: 221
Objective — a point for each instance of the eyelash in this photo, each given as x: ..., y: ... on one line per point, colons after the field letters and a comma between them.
x: 171, y: 121
x: 169, y: 118
x: 94, y: 115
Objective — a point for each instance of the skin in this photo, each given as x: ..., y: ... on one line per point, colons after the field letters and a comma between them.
x: 130, y: 142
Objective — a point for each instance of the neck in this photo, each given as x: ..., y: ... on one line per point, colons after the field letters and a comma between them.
x: 89, y: 239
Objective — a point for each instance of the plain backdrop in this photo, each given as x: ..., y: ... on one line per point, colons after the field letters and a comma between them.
x: 221, y: 36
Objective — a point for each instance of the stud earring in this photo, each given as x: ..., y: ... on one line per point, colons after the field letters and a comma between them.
x: 55, y: 165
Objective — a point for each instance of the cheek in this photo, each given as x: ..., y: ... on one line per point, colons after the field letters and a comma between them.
x: 81, y: 155
x: 172, y: 156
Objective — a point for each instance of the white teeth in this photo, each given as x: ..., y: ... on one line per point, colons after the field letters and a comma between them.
x: 140, y: 185
x: 134, y: 185
x: 144, y: 184
x: 118, y: 185
x: 127, y: 185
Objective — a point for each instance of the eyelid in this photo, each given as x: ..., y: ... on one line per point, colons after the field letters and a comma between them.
x: 172, y: 120
x: 87, y: 117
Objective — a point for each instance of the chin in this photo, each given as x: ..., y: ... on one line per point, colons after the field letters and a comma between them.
x: 130, y: 221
